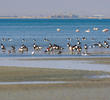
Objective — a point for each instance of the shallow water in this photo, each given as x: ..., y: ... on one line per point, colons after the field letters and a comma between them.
x: 32, y: 82
x: 23, y: 31
x: 57, y: 64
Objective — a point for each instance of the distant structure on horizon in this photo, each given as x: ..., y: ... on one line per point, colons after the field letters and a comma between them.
x: 71, y: 16
x: 43, y: 17
x: 97, y: 16
x: 65, y: 17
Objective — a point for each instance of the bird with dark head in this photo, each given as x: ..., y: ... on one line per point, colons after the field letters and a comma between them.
x: 3, y: 47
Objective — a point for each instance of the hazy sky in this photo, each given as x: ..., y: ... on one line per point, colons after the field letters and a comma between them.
x: 45, y: 7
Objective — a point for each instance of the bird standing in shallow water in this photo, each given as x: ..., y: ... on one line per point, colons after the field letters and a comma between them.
x: 23, y: 48
x: 106, y: 44
x: 13, y: 49
x: 36, y: 47
x: 3, y: 48
x: 86, y: 48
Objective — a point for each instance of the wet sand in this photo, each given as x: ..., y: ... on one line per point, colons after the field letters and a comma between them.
x: 54, y: 92
x: 9, y: 74
x: 80, y: 88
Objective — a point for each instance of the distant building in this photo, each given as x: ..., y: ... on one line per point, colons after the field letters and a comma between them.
x: 96, y: 17
x: 64, y: 17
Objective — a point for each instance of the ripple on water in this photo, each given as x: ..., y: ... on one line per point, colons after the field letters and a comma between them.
x: 98, y: 76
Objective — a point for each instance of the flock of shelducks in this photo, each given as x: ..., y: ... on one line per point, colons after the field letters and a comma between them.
x: 74, y: 49
x: 54, y: 48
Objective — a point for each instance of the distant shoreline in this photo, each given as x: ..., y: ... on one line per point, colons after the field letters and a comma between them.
x: 47, y: 18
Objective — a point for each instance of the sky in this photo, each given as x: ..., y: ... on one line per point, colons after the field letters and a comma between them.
x: 51, y: 7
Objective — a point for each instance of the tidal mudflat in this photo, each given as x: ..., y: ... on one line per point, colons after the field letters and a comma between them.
x: 77, y: 84
x: 78, y: 78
